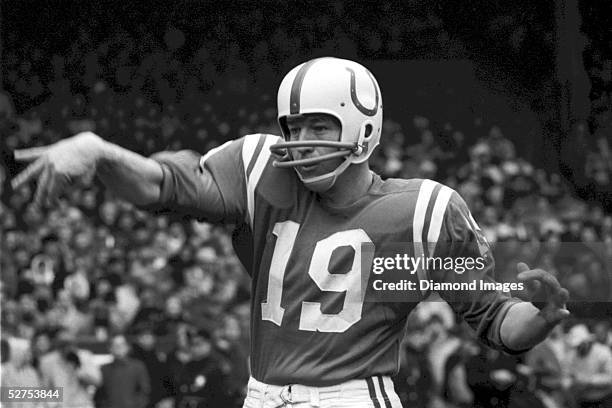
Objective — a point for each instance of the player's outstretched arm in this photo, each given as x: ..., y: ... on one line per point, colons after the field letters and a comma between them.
x: 528, y: 323
x: 129, y: 175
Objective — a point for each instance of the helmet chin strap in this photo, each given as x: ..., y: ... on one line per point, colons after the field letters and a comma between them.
x: 324, y: 182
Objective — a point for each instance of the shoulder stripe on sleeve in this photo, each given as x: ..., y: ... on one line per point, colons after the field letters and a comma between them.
x: 437, y: 218
x: 249, y: 169
x: 430, y: 207
x: 254, y: 166
x: 211, y: 152
x: 473, y: 223
x: 418, y: 222
x: 483, y: 244
x: 248, y: 150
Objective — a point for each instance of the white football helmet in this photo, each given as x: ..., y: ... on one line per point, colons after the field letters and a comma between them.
x: 343, y: 89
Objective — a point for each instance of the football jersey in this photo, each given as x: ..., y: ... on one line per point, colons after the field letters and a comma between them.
x: 310, y: 264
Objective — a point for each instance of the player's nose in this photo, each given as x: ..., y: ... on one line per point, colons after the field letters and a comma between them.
x: 303, y: 152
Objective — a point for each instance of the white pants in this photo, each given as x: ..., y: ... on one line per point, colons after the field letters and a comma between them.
x: 374, y: 392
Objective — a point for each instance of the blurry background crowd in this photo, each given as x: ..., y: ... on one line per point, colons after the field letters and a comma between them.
x: 95, y: 289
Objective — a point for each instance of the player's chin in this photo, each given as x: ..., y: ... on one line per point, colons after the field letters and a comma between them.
x: 319, y: 186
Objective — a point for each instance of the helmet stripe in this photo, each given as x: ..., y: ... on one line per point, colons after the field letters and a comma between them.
x: 296, y: 87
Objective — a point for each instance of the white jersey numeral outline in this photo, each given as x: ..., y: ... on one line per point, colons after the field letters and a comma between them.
x: 311, y: 317
x: 285, y: 232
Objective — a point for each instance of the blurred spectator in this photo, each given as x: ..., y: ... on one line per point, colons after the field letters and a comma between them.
x: 601, y: 332
x: 40, y: 345
x: 442, y: 345
x: 125, y: 381
x: 71, y: 368
x: 199, y: 380
x: 591, y: 369
x: 233, y: 346
x: 147, y: 351
x: 549, y: 363
x: 490, y: 377
x: 18, y: 370
x: 414, y: 380
x: 455, y: 390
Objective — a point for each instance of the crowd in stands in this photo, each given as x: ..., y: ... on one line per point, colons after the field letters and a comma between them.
x: 171, y: 300
x: 597, y: 59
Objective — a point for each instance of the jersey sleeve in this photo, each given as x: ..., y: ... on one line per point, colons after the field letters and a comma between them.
x: 218, y: 186
x: 461, y: 244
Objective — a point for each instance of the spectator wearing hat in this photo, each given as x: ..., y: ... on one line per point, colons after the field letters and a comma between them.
x: 591, y: 369
x: 145, y: 350
x: 200, y: 382
x: 125, y: 382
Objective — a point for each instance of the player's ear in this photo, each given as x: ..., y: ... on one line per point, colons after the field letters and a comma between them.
x: 368, y: 130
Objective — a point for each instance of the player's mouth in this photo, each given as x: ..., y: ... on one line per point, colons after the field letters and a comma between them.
x: 308, y: 169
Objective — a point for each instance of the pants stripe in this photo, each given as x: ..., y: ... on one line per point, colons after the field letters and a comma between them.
x: 384, y: 392
x: 372, y: 392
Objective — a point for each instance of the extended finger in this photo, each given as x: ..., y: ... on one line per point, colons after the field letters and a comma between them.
x: 41, y: 187
x: 31, y: 153
x: 542, y: 276
x: 30, y: 172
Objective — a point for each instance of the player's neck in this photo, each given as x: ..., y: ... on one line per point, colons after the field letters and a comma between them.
x: 351, y: 185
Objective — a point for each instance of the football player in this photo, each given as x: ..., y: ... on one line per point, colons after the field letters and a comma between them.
x: 310, y: 216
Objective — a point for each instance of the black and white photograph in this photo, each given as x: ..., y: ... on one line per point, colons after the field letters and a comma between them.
x: 322, y: 204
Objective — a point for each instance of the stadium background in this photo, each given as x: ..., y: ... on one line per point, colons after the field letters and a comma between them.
x: 510, y: 104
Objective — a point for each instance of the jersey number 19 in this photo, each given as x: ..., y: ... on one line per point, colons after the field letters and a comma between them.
x: 311, y: 316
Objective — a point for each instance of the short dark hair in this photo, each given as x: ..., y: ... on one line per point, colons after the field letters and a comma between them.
x: 51, y: 237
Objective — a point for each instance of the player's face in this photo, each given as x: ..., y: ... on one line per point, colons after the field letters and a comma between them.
x: 314, y: 126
